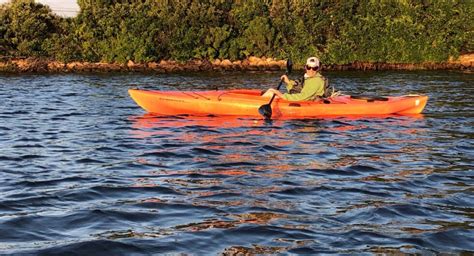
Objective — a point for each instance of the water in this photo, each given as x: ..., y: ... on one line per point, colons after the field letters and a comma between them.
x: 84, y: 170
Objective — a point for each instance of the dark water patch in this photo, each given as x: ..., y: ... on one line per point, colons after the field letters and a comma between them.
x: 88, y: 160
x: 202, y: 129
x: 9, y: 158
x: 444, y: 178
x: 23, y: 194
x: 110, y: 215
x: 326, y: 155
x: 203, y: 151
x: 111, y: 191
x: 368, y: 238
x: 295, y: 191
x: 129, y: 146
x: 58, y: 119
x: 269, y: 148
x: 141, y: 164
x: 463, y: 201
x: 165, y: 154
x: 412, y: 210
x: 242, y: 143
x: 324, y: 132
x: 342, y: 123
x: 364, y: 169
x: 66, y: 116
x: 28, y: 146
x: 299, y: 154
x: 313, y: 250
x: 47, y: 109
x: 72, y: 94
x: 93, y: 247
x: 465, y: 149
x: 364, y: 192
x: 328, y: 173
x: 170, y: 145
x: 413, y: 185
x: 7, y: 211
x: 381, y: 213
x: 164, y: 206
x: 13, y: 113
x: 457, y: 240
x: 81, y: 195
x: 51, y: 182
x: 109, y: 149
x: 30, y: 157
x: 22, y: 204
x: 55, y: 225
x: 357, y: 149
x: 28, y: 139
x: 289, y: 183
x: 22, y: 232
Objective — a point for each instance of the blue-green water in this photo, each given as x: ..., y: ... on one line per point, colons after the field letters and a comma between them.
x: 84, y: 170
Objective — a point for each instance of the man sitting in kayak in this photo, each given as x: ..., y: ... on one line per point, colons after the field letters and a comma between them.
x: 313, y: 84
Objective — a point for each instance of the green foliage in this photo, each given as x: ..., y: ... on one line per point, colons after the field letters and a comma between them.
x: 257, y: 38
x: 24, y: 26
x: 337, y: 31
x: 396, y: 31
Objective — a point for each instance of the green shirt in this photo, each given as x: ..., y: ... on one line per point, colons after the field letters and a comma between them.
x: 313, y: 86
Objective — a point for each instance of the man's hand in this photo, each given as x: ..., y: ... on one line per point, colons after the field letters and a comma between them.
x: 285, y: 79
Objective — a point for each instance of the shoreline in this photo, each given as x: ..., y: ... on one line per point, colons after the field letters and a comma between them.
x: 38, y: 65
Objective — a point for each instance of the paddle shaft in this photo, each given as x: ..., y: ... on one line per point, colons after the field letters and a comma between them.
x: 266, y: 110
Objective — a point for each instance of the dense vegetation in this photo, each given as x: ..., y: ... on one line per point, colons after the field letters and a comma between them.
x: 338, y: 31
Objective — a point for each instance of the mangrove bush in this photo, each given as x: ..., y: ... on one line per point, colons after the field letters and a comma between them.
x: 338, y: 31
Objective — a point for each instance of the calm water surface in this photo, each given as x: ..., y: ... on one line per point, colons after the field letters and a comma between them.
x: 84, y: 170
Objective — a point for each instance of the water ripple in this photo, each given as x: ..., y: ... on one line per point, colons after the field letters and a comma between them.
x: 85, y: 171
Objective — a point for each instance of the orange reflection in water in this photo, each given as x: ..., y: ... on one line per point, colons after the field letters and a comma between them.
x: 248, y: 130
x: 217, y: 133
x: 142, y: 123
x: 151, y: 121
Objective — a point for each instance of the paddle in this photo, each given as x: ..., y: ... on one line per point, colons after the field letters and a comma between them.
x: 266, y: 110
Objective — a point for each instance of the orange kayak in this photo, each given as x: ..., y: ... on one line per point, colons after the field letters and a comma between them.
x: 247, y: 103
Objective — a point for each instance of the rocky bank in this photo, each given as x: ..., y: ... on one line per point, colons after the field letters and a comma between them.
x: 35, y: 65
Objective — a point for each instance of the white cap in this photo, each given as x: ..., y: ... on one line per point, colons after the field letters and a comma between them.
x: 312, y: 62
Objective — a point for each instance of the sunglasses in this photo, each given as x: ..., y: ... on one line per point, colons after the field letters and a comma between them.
x: 313, y: 68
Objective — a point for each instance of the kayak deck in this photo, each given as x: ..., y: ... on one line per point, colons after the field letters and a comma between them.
x: 247, y: 102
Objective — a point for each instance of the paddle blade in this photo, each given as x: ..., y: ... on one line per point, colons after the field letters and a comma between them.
x: 265, y: 111
x: 289, y: 66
